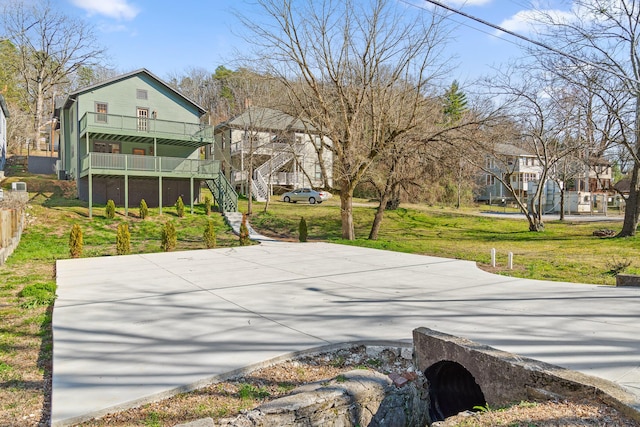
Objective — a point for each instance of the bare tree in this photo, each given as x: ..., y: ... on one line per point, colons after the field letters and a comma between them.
x: 345, y: 63
x: 51, y: 46
x: 544, y: 115
x: 600, y: 38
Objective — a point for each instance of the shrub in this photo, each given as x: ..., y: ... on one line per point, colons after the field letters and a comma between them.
x: 244, y: 231
x: 302, y: 230
x: 75, y: 241
x: 207, y: 205
x: 123, y: 239
x: 169, y: 237
x: 180, y: 207
x: 110, y: 210
x: 209, y: 235
x: 144, y: 209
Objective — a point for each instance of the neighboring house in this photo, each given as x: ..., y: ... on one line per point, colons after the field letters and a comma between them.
x: 134, y: 137
x: 4, y: 113
x: 522, y: 167
x: 283, y: 151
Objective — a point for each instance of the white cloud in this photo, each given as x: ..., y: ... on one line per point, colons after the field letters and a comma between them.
x: 526, y: 21
x: 118, y: 9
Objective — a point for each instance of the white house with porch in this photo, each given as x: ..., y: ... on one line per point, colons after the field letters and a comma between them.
x: 281, y: 150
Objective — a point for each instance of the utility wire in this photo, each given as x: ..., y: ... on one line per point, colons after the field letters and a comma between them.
x: 535, y: 42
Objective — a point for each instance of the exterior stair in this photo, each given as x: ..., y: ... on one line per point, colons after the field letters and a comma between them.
x: 223, y: 193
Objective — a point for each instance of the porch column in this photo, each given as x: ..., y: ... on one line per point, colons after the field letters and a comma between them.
x: 160, y: 194
x: 126, y: 195
x: 155, y: 147
x: 90, y: 179
x: 191, y: 198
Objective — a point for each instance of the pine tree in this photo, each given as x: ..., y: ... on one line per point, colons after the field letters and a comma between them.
x: 244, y: 232
x: 180, y: 207
x: 110, y: 210
x: 123, y: 239
x: 302, y: 230
x: 454, y: 103
x: 169, y: 237
x: 144, y: 209
x: 75, y: 241
x: 209, y: 235
x: 207, y: 205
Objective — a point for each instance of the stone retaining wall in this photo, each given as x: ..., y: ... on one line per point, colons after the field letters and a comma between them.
x: 503, y: 377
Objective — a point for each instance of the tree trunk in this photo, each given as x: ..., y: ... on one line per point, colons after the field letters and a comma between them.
x: 377, y: 219
x: 562, y: 201
x: 346, y: 213
x: 249, y: 190
x: 631, y: 213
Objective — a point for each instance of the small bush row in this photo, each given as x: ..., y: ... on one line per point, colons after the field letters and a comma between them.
x: 168, y: 238
x: 110, y: 208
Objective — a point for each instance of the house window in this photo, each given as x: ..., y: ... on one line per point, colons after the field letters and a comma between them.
x: 318, y: 171
x: 101, y: 112
x: 318, y: 142
x: 106, y: 147
x: 298, y: 139
x: 142, y: 94
x: 138, y: 152
x: 143, y: 119
x: 490, y: 179
x: 489, y: 163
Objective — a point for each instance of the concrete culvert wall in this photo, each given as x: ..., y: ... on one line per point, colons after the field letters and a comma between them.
x: 452, y: 389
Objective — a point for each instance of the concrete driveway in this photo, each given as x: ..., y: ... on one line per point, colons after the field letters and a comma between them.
x: 130, y: 328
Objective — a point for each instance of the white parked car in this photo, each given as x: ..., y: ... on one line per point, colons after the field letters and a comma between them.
x: 305, y: 195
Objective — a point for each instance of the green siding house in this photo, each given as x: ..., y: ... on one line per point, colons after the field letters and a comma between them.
x: 133, y: 137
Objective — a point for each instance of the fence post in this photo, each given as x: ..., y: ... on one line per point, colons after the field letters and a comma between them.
x: 493, y: 257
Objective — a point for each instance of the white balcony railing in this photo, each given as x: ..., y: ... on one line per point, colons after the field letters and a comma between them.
x: 149, y: 164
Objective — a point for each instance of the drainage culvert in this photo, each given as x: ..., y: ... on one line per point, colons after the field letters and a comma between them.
x: 452, y: 389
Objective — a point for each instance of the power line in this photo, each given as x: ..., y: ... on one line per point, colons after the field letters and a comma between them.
x: 534, y: 42
x: 410, y: 4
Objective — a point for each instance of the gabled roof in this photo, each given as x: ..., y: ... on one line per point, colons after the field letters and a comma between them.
x: 121, y: 77
x: 3, y: 105
x: 510, y: 150
x: 261, y: 118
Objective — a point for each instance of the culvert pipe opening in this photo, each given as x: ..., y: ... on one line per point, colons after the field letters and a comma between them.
x: 452, y: 389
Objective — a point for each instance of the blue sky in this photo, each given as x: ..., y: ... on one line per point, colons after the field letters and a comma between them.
x: 168, y: 37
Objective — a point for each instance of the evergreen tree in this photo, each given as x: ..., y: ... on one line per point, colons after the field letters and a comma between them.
x: 302, y: 230
x: 123, y: 239
x: 209, y: 235
x: 110, y: 210
x: 180, y: 207
x: 207, y: 205
x: 169, y: 237
x: 244, y: 232
x: 454, y: 103
x: 144, y: 209
x: 75, y: 241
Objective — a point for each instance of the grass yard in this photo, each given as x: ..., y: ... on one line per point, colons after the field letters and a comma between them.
x: 27, y: 284
x: 565, y: 251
